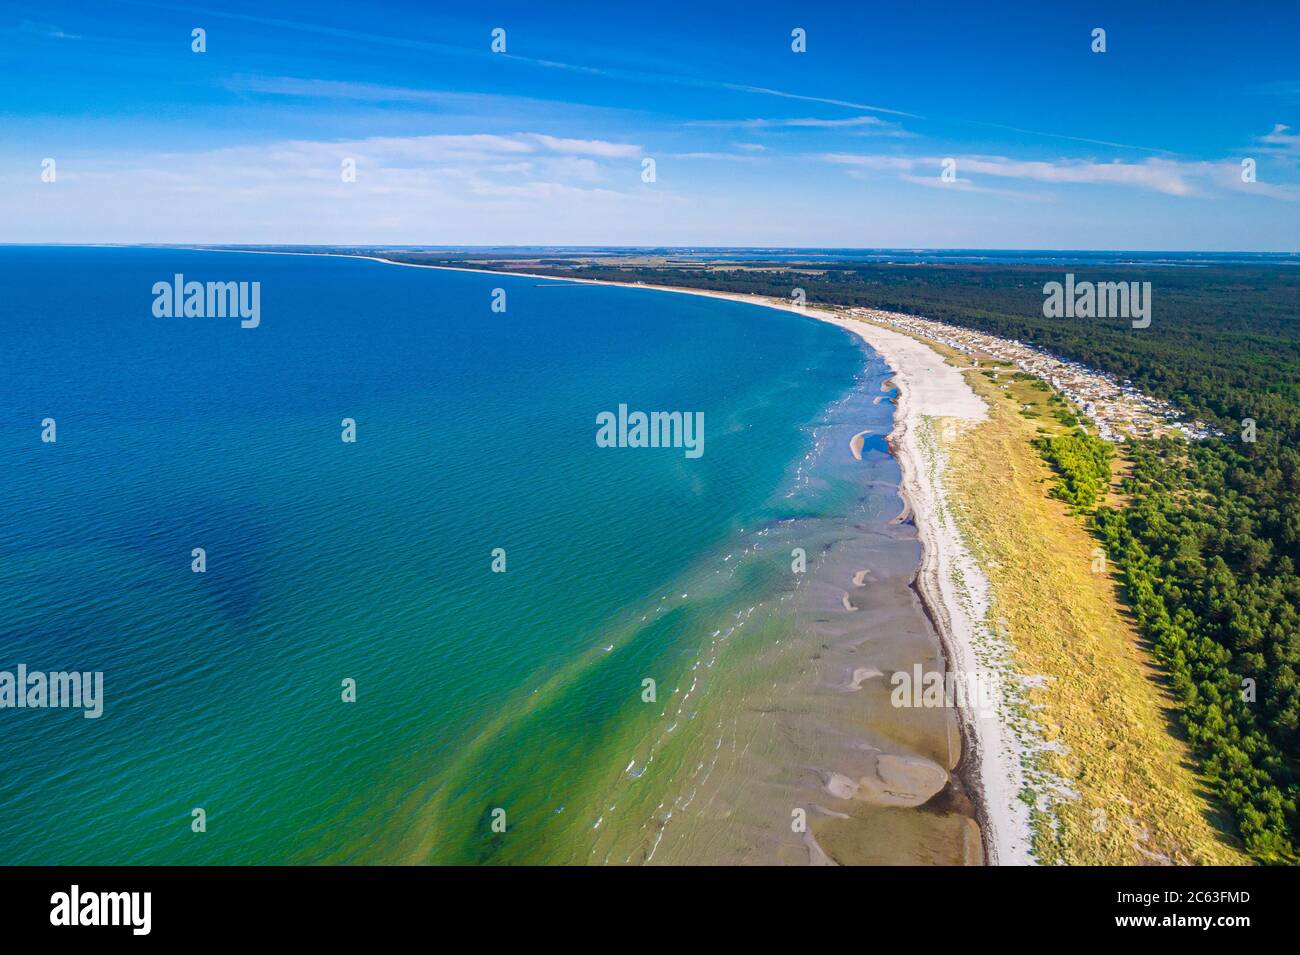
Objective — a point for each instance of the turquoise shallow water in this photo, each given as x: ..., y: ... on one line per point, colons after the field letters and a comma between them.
x: 477, y: 691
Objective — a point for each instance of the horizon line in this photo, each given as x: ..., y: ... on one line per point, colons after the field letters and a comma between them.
x: 612, y: 248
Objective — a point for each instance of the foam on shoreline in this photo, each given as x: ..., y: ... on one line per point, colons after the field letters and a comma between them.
x: 949, y: 581
x: 954, y: 591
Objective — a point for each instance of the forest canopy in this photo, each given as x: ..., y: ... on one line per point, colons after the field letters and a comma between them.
x: 1208, y: 540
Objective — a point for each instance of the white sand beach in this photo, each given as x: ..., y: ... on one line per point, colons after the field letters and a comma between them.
x: 950, y: 581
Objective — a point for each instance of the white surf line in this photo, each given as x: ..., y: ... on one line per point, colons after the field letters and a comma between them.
x: 949, y: 576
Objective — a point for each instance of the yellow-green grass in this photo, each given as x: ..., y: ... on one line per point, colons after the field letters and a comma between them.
x: 1104, y: 702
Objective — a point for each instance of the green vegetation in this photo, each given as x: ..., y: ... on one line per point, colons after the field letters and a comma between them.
x: 1082, y: 462
x: 1209, y: 538
x: 1107, y: 725
x: 1220, y: 604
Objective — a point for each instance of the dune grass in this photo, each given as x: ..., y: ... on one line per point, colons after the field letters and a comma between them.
x: 1102, y: 701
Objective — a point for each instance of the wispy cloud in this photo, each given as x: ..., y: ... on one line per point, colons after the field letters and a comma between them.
x: 899, y: 163
x: 811, y: 122
x: 719, y: 156
x: 420, y: 187
x: 469, y: 103
x: 782, y: 94
x: 1160, y: 175
x: 1282, y: 140
x: 32, y: 28
x: 641, y: 76
x: 646, y: 77
x: 1170, y: 177
x: 487, y: 162
x: 1062, y: 136
x: 968, y: 185
x: 586, y: 147
x: 1285, y: 88
x: 337, y: 89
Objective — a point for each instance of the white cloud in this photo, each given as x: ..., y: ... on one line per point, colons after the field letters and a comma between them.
x: 1281, y: 139
x: 335, y: 89
x: 1158, y: 174
x: 717, y: 156
x: 587, y: 147
x: 901, y: 163
x: 438, y: 189
x: 32, y: 28
x: 967, y: 185
x: 471, y: 148
x: 1170, y: 177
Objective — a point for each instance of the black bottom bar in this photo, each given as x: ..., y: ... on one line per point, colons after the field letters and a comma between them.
x: 335, y: 905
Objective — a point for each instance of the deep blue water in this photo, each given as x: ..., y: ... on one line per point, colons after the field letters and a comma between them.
x: 370, y: 561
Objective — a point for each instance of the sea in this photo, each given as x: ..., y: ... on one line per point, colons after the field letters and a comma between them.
x: 363, y: 587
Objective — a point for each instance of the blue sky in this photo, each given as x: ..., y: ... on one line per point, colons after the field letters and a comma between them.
x: 1055, y: 146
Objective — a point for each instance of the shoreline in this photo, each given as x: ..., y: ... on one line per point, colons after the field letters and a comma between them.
x: 953, y: 591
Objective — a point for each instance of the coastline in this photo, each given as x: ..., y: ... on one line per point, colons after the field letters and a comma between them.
x: 951, y: 586
x: 933, y: 399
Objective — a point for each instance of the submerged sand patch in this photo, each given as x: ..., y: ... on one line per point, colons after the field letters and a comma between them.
x: 897, y: 780
x: 916, y: 745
